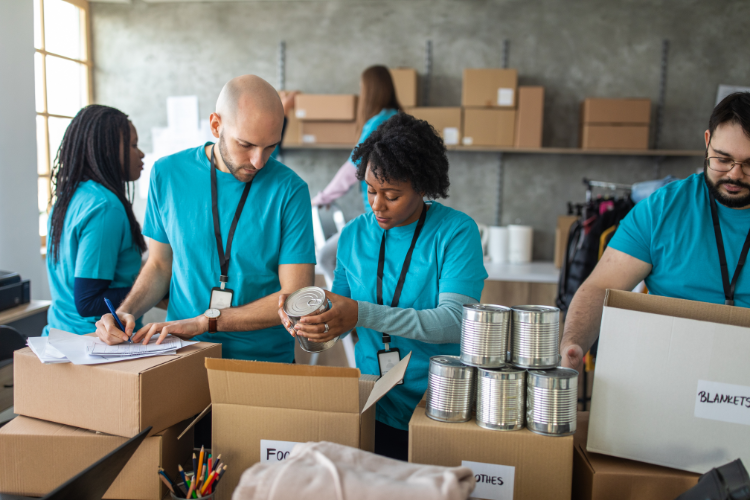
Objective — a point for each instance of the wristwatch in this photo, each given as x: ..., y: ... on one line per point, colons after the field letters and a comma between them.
x: 212, y: 315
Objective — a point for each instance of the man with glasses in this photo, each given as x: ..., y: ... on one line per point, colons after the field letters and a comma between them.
x: 688, y: 240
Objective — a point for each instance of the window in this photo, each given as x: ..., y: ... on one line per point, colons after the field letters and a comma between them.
x: 62, y: 70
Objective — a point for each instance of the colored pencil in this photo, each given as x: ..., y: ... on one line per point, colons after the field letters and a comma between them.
x: 192, y: 488
x: 207, y: 484
x: 217, y: 462
x: 210, y: 462
x: 221, y: 474
x: 195, y: 466
x: 164, y: 480
x: 184, y: 478
x: 200, y: 462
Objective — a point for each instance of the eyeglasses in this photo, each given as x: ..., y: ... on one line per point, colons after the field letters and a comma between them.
x: 724, y: 164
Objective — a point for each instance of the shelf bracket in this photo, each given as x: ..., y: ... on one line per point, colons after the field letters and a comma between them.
x: 506, y: 52
x: 499, y: 198
x: 662, y: 93
x: 427, y: 73
x: 282, y: 66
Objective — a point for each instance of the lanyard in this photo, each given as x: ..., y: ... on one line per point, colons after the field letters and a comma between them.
x: 224, y: 257
x: 404, y: 269
x: 728, y: 287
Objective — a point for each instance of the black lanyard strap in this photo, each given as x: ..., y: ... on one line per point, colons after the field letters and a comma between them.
x: 728, y: 287
x: 224, y: 257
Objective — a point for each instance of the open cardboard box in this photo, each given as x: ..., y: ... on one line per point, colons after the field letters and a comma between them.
x: 261, y: 410
x: 672, y: 382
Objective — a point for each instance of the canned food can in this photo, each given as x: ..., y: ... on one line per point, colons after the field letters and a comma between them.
x: 536, y: 337
x: 450, y: 389
x: 501, y: 398
x: 552, y: 401
x: 308, y: 301
x: 484, y: 335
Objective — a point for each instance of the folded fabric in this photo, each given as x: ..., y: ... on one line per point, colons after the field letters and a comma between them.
x: 331, y: 471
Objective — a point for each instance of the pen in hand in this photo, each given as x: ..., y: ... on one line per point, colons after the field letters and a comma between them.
x: 114, y: 314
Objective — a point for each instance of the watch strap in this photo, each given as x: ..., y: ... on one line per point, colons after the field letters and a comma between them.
x: 212, y: 325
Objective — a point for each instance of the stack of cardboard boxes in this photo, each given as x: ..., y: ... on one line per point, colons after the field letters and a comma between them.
x: 326, y: 118
x: 615, y: 123
x: 73, y: 415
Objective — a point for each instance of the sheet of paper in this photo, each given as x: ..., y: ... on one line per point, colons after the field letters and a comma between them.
x: 40, y: 347
x: 129, y: 349
x: 76, y: 349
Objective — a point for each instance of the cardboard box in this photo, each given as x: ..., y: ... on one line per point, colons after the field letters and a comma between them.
x: 6, y: 384
x: 531, y: 467
x: 564, y: 222
x: 489, y: 127
x: 261, y: 410
x: 621, y: 111
x: 672, y: 382
x: 494, y: 88
x: 329, y: 107
x: 116, y: 398
x: 530, y: 118
x: 601, y: 477
x: 614, y: 137
x: 405, y: 80
x: 293, y: 132
x: 39, y: 456
x: 329, y: 132
x: 447, y: 122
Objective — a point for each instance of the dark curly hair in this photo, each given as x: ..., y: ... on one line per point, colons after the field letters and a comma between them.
x: 405, y: 149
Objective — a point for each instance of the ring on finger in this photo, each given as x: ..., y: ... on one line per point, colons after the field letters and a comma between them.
x: 326, y: 330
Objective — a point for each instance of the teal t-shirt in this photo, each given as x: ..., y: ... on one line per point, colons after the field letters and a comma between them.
x: 672, y: 230
x: 371, y: 126
x: 447, y: 259
x: 96, y: 243
x: 275, y: 228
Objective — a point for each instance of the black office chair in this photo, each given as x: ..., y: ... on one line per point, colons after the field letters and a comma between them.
x: 10, y: 340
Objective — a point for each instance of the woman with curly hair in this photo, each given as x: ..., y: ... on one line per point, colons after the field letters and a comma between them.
x: 403, y: 270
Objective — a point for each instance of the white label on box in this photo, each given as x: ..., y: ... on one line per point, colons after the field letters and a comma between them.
x: 300, y: 113
x: 494, y: 482
x: 450, y: 135
x: 308, y: 139
x: 275, y: 451
x: 505, y: 97
x: 723, y: 402
x: 468, y: 141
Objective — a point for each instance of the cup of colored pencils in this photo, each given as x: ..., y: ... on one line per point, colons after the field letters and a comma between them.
x: 201, y: 483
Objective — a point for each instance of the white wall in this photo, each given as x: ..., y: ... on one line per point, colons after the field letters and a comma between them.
x: 19, y: 216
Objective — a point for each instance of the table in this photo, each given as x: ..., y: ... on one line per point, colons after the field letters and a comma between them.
x: 520, y: 284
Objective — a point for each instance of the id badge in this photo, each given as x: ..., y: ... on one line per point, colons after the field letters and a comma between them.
x: 221, y: 299
x: 388, y: 359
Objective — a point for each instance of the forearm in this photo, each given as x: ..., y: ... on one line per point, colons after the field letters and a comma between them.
x: 584, y: 317
x: 150, y: 287
x: 441, y: 325
x: 344, y: 179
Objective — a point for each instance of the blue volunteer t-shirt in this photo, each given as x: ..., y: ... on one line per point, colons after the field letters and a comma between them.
x: 673, y: 231
x: 96, y: 243
x: 275, y: 228
x: 369, y: 127
x: 447, y: 259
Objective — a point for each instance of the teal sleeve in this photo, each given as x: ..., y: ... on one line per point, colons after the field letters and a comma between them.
x: 297, y: 242
x: 340, y: 282
x: 633, y: 235
x: 153, y: 226
x: 99, y: 243
x: 441, y: 325
x: 462, y: 271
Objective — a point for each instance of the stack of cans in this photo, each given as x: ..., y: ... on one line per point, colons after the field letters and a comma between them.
x: 501, y: 398
x: 308, y: 301
x: 450, y: 389
x: 536, y: 337
x: 552, y: 401
x: 484, y: 335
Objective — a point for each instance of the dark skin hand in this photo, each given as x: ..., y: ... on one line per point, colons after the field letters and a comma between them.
x: 341, y: 318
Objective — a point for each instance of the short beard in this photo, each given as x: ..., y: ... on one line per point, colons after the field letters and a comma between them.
x: 729, y: 202
x: 233, y: 168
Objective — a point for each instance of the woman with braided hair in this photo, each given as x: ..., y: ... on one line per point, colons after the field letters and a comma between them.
x: 403, y: 271
x: 94, y: 242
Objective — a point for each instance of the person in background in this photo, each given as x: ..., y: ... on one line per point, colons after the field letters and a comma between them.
x: 436, y: 249
x: 94, y: 242
x: 687, y: 240
x: 377, y: 103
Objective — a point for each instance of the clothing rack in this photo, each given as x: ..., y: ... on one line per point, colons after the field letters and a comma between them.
x: 612, y: 186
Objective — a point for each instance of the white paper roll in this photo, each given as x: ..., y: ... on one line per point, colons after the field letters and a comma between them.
x: 520, y: 244
x: 498, y: 244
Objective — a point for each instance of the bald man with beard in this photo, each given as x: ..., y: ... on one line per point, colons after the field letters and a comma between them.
x: 230, y: 230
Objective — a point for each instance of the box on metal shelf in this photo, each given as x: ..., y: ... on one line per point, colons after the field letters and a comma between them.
x: 616, y: 111
x: 328, y: 107
x: 293, y: 132
x: 601, y: 477
x: 520, y: 464
x: 488, y: 87
x: 672, y: 382
x: 261, y: 410
x: 488, y: 127
x: 328, y: 132
x: 446, y: 121
x: 530, y: 118
x: 117, y: 398
x: 38, y: 456
x: 599, y: 136
x: 405, y: 80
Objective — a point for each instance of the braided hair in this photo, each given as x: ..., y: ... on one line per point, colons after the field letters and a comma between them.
x: 90, y: 150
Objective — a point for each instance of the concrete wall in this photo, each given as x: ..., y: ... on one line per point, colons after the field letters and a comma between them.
x: 19, y: 213
x: 145, y: 52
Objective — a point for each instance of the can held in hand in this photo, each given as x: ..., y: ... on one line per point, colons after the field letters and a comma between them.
x: 501, y: 398
x: 484, y: 335
x: 536, y: 337
x: 552, y: 401
x: 308, y: 301
x: 450, y: 389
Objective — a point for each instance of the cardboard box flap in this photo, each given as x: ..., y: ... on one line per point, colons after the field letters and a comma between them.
x: 680, y: 308
x: 278, y: 385
x: 387, y: 382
